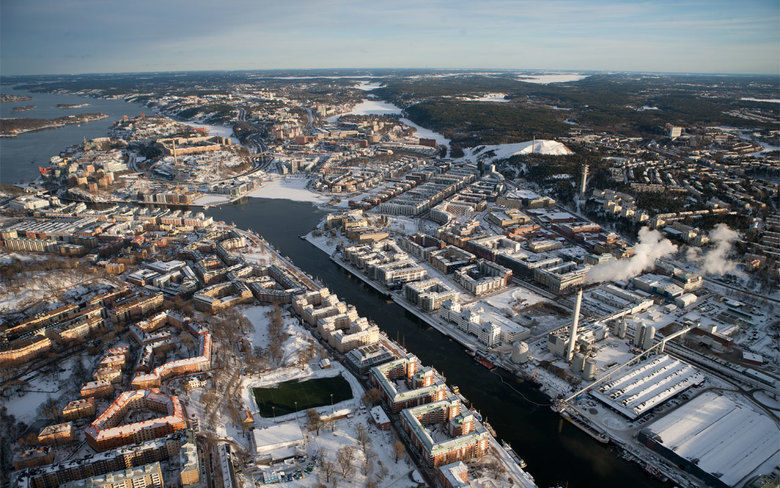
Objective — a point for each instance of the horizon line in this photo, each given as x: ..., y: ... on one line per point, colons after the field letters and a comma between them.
x: 464, y: 70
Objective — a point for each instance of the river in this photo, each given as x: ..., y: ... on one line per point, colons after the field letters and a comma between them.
x: 556, y: 451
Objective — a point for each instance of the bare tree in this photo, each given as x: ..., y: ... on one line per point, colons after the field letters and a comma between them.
x: 363, y: 437
x: 345, y: 456
x: 372, y: 396
x: 328, y: 468
x: 399, y: 450
x: 313, y: 420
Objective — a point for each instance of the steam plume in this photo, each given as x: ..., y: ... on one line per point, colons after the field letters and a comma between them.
x: 651, y: 247
x: 715, y: 260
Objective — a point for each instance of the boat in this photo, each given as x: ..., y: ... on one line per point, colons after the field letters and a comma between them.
x: 484, y: 362
x: 520, y: 462
x: 587, y: 428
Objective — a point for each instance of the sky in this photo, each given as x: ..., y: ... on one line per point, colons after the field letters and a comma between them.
x: 100, y: 36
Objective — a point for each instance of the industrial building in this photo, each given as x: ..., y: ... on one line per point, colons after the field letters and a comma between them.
x: 647, y: 384
x: 720, y: 439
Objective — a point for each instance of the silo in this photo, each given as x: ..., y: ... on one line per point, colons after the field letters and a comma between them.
x: 639, y: 333
x: 647, y: 340
x: 578, y: 362
x: 590, y: 369
x: 621, y: 332
x: 520, y: 352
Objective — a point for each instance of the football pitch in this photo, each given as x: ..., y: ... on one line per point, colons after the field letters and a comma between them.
x: 281, y: 399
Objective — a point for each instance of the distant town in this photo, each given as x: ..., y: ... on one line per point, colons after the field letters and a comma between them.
x: 611, y: 242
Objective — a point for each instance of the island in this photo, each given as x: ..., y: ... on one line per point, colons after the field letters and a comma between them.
x: 14, y: 127
x: 72, y: 105
x: 6, y: 98
x: 24, y: 108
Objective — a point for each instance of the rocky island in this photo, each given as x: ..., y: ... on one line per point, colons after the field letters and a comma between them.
x: 14, y: 127
x: 6, y: 98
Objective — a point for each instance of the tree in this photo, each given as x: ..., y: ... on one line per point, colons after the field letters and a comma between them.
x: 313, y: 420
x: 372, y: 396
x: 399, y: 450
x: 363, y: 437
x: 345, y: 456
x: 328, y: 468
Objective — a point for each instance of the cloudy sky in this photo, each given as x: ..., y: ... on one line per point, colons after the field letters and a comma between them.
x: 87, y: 36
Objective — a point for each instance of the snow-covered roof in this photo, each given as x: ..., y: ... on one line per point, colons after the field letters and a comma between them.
x: 277, y: 437
x: 727, y: 437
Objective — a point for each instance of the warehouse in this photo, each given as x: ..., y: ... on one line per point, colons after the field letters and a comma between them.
x: 721, y: 440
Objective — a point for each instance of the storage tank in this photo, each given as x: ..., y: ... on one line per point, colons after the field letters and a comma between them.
x: 578, y: 362
x: 647, y: 340
x: 639, y: 333
x: 520, y: 352
x: 589, y: 372
x: 621, y: 330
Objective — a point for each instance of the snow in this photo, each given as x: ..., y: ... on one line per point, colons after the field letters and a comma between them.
x: 552, y: 78
x: 370, y: 107
x: 515, y: 297
x: 766, y: 100
x: 219, y: 130
x: 378, y: 107
x: 368, y: 85
x: 488, y: 97
x: 211, y: 199
x: 504, y: 151
x: 37, y: 390
x: 426, y: 133
x: 726, y: 436
x: 289, y: 188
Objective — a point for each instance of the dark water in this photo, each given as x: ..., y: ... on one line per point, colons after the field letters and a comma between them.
x: 20, y: 156
x: 556, y: 451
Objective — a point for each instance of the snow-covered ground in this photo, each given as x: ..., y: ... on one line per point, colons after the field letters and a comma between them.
x: 370, y: 107
x: 368, y: 85
x: 288, y: 188
x: 766, y: 100
x: 552, y: 78
x: 24, y: 406
x: 504, y: 151
x: 487, y: 97
x: 297, y: 339
x: 211, y: 199
x: 29, y: 288
x: 218, y: 130
x: 426, y: 133
x: 379, y: 107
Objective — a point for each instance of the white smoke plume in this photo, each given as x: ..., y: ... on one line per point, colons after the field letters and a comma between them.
x: 716, y: 260
x: 651, y: 247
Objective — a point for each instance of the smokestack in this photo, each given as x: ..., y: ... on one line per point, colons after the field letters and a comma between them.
x: 574, y: 323
x: 584, y: 182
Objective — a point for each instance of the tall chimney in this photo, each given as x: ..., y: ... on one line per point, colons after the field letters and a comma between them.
x: 584, y: 182
x: 574, y: 323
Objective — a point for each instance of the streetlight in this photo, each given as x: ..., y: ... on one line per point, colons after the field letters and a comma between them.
x: 273, y: 409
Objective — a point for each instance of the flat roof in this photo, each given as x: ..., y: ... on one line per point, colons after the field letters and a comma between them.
x: 727, y: 436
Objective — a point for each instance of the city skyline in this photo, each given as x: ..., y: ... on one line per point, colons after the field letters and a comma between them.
x: 689, y: 37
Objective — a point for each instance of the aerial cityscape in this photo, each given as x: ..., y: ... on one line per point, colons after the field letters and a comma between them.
x: 435, y: 244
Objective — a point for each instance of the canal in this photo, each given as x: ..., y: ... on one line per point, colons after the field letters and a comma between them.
x: 557, y: 453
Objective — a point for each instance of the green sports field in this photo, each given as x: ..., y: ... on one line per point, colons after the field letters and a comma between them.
x: 280, y: 399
